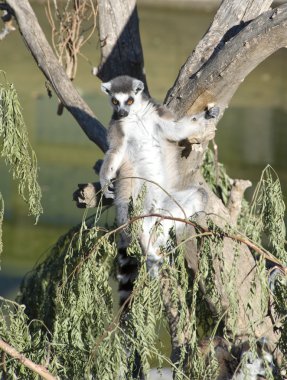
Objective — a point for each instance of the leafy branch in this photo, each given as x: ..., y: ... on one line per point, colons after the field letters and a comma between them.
x: 36, y: 368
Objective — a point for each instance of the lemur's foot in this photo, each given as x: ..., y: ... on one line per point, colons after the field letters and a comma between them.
x: 86, y: 195
x: 212, y: 113
x: 153, y: 263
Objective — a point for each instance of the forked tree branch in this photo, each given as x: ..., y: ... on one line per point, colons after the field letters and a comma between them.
x: 121, y: 54
x: 231, y: 17
x: 224, y: 65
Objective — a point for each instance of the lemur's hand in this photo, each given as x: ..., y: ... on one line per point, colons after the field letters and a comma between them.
x: 211, y: 113
x: 108, y: 187
x: 109, y: 190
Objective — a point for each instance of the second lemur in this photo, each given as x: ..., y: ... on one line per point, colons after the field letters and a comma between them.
x: 139, y: 137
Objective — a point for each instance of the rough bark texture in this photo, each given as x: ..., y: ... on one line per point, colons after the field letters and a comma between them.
x: 219, y: 78
x: 234, y: 204
x: 231, y: 17
x: 241, y: 36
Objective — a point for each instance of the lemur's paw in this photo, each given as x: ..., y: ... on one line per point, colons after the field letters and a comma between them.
x: 109, y: 192
x: 212, y: 113
x: 86, y: 195
x: 108, y: 188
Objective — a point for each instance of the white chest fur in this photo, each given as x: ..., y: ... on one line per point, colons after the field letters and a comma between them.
x: 144, y: 147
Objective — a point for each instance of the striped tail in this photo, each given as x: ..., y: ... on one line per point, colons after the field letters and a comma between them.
x: 127, y: 273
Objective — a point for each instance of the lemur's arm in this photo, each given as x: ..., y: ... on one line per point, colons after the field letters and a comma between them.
x: 196, y: 127
x: 113, y: 160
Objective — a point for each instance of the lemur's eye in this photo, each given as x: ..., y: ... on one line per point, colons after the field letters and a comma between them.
x: 130, y: 101
x: 115, y: 101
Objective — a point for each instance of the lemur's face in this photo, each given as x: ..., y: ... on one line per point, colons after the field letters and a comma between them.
x: 125, y: 94
x: 124, y: 104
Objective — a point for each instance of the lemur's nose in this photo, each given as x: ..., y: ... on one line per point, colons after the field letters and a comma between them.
x: 123, y: 113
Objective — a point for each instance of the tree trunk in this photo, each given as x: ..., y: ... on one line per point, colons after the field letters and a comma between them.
x: 120, y: 41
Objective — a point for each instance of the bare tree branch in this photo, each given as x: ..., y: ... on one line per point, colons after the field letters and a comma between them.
x: 231, y: 17
x: 219, y: 78
x: 72, y: 27
x: 49, y: 65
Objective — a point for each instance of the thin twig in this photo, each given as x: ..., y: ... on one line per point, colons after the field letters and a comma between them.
x: 205, y: 231
x: 236, y: 237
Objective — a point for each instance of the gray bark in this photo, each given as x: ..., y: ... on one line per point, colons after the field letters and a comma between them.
x: 220, y: 76
x: 231, y: 17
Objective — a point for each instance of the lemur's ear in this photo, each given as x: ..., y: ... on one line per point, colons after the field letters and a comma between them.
x: 106, y: 87
x: 138, y: 86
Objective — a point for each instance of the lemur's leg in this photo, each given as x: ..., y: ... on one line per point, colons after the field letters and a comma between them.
x: 147, y: 239
x: 182, y: 204
x: 124, y: 189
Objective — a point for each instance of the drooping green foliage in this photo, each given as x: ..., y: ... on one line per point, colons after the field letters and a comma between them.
x: 15, y: 328
x: 265, y: 224
x: 71, y: 293
x: 16, y: 150
x: 84, y: 335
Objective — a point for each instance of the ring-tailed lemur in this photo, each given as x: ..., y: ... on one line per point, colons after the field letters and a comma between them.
x: 141, y: 140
